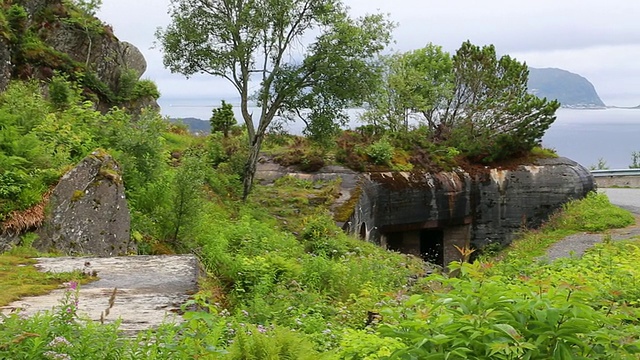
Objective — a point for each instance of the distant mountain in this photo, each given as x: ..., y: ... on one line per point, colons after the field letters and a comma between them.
x: 571, y: 90
x: 195, y: 125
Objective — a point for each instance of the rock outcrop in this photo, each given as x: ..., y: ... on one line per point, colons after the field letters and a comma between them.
x: 571, y: 90
x: 75, y: 44
x: 88, y: 211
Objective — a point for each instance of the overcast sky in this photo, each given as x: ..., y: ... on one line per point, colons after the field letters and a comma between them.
x: 599, y: 40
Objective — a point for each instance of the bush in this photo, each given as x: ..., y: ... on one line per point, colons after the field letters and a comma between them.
x: 145, y: 88
x: 222, y: 119
x: 593, y: 213
x: 381, y: 152
x: 260, y: 342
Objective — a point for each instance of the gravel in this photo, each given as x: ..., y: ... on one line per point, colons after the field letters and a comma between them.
x: 576, y: 245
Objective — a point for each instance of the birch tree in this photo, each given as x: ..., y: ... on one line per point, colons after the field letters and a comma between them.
x: 298, y: 54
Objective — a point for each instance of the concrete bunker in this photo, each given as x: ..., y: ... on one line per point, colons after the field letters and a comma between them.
x: 433, y: 242
x: 430, y: 214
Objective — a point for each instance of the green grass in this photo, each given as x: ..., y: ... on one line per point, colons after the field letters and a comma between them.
x: 291, y: 200
x: 19, y: 277
x: 594, y: 213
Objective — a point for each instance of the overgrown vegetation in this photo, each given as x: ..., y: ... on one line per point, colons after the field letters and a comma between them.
x: 34, y: 57
x: 19, y: 278
x: 283, y: 281
x: 272, y: 295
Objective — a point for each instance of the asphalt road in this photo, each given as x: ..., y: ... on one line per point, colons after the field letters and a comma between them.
x: 625, y: 198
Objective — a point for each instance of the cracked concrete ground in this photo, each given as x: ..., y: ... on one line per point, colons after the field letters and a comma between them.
x: 150, y: 289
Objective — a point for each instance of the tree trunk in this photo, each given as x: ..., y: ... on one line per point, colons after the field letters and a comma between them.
x: 252, y: 163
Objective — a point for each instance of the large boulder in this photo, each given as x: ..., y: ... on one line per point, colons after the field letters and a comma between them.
x: 88, y: 211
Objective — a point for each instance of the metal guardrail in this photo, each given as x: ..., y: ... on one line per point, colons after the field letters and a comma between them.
x: 615, y: 172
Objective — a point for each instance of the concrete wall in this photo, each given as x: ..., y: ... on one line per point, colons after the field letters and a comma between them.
x: 472, y: 210
x: 618, y: 181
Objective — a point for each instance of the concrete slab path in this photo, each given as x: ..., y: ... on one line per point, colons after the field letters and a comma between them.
x: 150, y: 289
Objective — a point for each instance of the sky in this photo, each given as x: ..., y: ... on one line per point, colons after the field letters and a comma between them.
x: 599, y: 40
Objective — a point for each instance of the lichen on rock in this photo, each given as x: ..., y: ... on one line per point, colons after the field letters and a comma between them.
x: 97, y: 223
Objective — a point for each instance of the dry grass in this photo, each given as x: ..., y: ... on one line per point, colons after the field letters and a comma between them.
x: 20, y: 221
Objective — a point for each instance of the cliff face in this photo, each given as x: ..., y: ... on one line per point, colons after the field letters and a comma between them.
x: 571, y: 90
x: 42, y: 37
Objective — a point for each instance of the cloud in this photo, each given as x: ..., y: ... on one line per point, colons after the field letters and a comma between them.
x: 596, y: 39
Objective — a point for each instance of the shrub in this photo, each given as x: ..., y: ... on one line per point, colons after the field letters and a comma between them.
x: 380, y: 152
x: 145, y: 88
x: 273, y: 342
x: 593, y: 213
x: 222, y: 119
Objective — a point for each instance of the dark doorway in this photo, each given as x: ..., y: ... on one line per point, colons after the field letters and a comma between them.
x: 363, y: 231
x: 431, y: 246
x: 395, y: 242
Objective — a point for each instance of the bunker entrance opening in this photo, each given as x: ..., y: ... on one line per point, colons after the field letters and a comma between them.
x: 426, y: 243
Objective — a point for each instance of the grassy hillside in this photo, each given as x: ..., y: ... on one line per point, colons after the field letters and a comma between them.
x: 321, y: 295
x: 282, y: 280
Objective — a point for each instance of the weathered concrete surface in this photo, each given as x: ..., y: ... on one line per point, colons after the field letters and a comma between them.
x: 406, y: 210
x: 625, y: 181
x: 506, y: 201
x: 496, y: 204
x: 150, y: 289
x: 89, y: 213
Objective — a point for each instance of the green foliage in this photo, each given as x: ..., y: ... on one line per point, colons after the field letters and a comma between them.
x: 492, y: 317
x: 474, y: 101
x: 259, y: 342
x: 145, y: 88
x: 593, y: 213
x: 321, y: 237
x: 540, y: 152
x: 130, y: 88
x: 61, y: 92
x: 635, y: 160
x: 232, y: 40
x: 17, y: 20
x: 381, y: 152
x: 186, y: 195
x: 222, y: 119
x: 417, y: 81
x: 492, y: 115
x: 601, y: 165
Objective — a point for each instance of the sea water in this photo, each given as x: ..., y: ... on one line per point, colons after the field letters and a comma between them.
x: 584, y: 135
x: 589, y: 135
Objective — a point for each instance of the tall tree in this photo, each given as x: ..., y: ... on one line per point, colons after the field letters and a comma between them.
x: 473, y: 101
x: 259, y: 44
x: 418, y: 81
x: 491, y: 115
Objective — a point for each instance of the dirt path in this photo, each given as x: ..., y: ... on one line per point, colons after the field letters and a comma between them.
x: 577, y: 244
x: 150, y: 289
